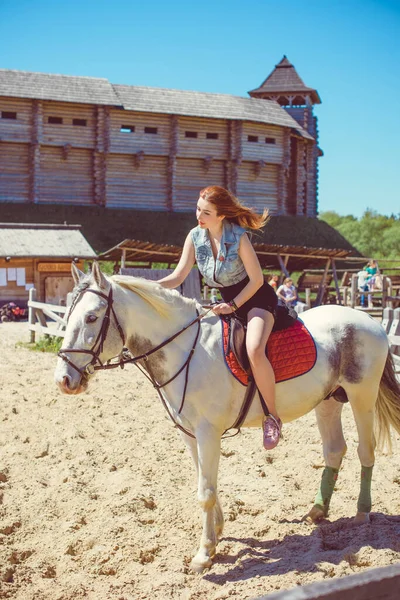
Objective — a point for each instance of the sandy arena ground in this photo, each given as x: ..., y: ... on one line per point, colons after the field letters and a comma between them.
x: 98, y: 497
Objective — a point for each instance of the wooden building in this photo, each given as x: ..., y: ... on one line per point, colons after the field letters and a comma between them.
x: 39, y: 256
x: 68, y: 140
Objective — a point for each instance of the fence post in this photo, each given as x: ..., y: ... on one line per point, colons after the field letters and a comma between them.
x: 308, y: 297
x: 354, y: 289
x: 31, y: 314
x: 387, y: 318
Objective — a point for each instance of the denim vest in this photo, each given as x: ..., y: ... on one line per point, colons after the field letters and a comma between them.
x: 228, y: 267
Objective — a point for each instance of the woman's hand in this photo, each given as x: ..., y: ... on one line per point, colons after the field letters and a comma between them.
x: 222, y: 308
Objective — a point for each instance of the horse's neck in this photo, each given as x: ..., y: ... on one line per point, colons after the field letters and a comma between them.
x: 142, y: 319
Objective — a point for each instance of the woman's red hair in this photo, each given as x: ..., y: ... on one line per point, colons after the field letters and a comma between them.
x: 232, y: 209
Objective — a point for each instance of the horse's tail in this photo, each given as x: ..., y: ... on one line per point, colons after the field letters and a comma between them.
x: 388, y: 405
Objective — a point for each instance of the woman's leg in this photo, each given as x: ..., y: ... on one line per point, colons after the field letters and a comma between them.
x: 259, y: 327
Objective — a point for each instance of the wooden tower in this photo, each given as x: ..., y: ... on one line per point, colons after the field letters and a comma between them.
x: 285, y: 86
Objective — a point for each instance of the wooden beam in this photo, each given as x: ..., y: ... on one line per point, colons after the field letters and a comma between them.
x: 335, y: 278
x: 283, y: 264
x: 34, y: 159
x: 321, y: 287
x: 319, y: 256
x: 139, y: 251
x: 171, y: 170
x: 123, y: 258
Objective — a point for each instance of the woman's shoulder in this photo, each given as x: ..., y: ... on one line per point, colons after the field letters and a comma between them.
x: 197, y: 235
x: 233, y: 229
x: 195, y: 231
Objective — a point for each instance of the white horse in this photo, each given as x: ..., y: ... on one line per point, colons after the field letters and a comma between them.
x: 204, y: 399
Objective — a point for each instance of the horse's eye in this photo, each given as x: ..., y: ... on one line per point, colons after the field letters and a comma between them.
x: 91, y: 318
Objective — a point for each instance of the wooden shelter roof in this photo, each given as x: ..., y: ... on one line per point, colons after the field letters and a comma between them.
x: 39, y: 240
x: 63, y: 88
x: 299, y: 257
x: 104, y: 227
x: 203, y: 104
x: 285, y: 79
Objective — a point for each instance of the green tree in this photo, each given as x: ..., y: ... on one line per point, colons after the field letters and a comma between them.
x: 373, y: 234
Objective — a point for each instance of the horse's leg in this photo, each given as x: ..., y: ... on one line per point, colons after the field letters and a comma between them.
x: 208, y: 450
x: 363, y: 405
x: 218, y: 514
x: 328, y: 414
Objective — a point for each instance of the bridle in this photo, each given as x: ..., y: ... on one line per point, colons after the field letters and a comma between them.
x: 98, y: 346
x: 124, y: 358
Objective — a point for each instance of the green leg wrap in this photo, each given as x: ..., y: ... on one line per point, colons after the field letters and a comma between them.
x: 328, y: 480
x: 364, y: 499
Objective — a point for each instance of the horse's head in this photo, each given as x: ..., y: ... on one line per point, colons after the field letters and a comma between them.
x: 93, y: 334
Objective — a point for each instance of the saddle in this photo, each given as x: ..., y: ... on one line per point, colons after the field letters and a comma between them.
x: 284, y: 318
x: 290, y: 349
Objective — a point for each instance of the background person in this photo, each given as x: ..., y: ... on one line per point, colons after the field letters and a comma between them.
x: 273, y: 282
x: 227, y: 260
x: 372, y: 271
x: 287, y: 293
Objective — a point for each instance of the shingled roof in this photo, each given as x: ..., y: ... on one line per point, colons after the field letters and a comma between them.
x: 43, y: 240
x: 64, y: 88
x: 204, y: 104
x: 284, y: 79
x: 93, y: 90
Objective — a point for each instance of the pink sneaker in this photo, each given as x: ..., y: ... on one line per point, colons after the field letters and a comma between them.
x: 271, y: 432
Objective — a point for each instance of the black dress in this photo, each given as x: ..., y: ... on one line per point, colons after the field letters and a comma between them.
x: 264, y: 298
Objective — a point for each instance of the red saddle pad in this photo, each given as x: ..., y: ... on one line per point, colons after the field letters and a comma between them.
x: 292, y: 353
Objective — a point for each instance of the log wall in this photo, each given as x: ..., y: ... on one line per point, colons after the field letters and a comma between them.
x: 67, y: 153
x: 14, y: 172
x: 193, y: 174
x: 38, y: 273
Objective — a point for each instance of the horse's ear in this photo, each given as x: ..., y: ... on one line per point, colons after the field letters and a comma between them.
x: 77, y: 274
x: 98, y: 276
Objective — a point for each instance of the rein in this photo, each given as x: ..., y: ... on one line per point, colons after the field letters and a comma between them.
x: 97, y: 349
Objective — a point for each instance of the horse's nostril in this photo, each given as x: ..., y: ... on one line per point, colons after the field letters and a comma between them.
x: 66, y: 381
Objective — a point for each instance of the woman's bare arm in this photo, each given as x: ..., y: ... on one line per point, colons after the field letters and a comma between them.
x: 253, y: 270
x: 183, y: 267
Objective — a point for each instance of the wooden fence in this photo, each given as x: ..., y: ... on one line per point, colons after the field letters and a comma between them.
x: 37, y: 322
x: 391, y: 324
x: 374, y: 584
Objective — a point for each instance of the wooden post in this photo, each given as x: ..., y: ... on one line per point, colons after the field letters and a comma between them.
x: 123, y: 258
x: 321, y: 288
x: 339, y: 300
x: 387, y: 318
x: 308, y: 297
x: 353, y: 293
x: 283, y: 264
x: 385, y: 291
x: 31, y: 314
x: 345, y: 295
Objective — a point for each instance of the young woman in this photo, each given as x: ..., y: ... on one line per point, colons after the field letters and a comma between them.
x: 226, y: 259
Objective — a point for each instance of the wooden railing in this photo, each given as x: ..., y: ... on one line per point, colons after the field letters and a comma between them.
x: 391, y: 324
x: 37, y: 322
x: 382, y: 583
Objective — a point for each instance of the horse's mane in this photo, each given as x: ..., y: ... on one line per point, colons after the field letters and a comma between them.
x: 164, y: 301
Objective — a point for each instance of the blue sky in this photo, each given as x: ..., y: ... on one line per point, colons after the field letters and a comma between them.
x: 349, y: 50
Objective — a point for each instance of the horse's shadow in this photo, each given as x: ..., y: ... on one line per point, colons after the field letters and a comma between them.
x: 330, y: 542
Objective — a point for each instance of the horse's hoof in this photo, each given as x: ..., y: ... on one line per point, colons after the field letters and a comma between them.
x: 361, y: 518
x: 315, y: 515
x: 199, y: 566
